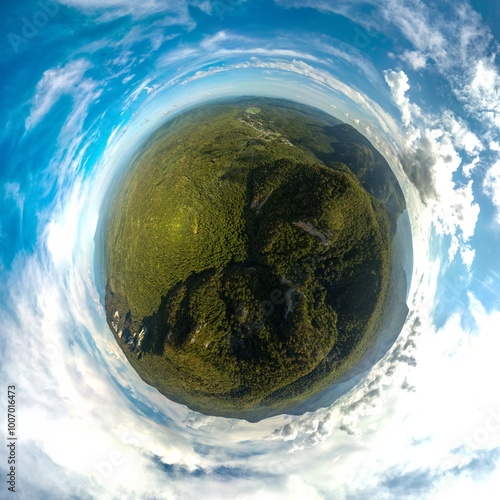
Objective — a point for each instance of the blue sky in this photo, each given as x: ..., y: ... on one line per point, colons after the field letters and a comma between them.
x: 84, y: 82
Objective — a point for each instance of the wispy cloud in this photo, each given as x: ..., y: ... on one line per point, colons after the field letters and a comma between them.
x: 13, y: 192
x: 481, y: 95
x: 492, y: 187
x: 380, y: 434
x: 322, y: 77
x: 68, y: 81
x: 415, y: 59
x: 175, y: 13
x: 55, y: 84
x: 431, y: 157
x: 458, y: 42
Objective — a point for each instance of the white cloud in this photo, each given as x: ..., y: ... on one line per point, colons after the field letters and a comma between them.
x: 73, y: 141
x: 428, y: 422
x: 431, y: 158
x: 398, y: 83
x: 417, y: 60
x: 458, y: 43
x: 494, y: 146
x: 268, y: 52
x: 482, y: 95
x: 173, y: 13
x: 492, y: 186
x: 137, y: 91
x: 226, y: 44
x: 55, y: 83
x: 346, y: 53
x: 467, y: 253
x: 176, y: 12
x: 13, y: 192
x: 462, y: 137
x: 72, y: 373
x: 321, y: 77
x: 213, y: 41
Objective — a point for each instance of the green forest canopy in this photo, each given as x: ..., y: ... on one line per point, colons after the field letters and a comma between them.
x: 248, y: 265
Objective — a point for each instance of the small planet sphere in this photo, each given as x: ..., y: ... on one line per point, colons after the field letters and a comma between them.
x: 249, y: 255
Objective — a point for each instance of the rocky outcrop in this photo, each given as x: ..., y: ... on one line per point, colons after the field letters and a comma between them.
x: 309, y: 228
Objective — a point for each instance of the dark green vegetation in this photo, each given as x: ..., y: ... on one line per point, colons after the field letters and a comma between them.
x: 249, y: 251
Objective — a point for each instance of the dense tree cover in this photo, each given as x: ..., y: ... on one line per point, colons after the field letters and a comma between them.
x: 247, y: 265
